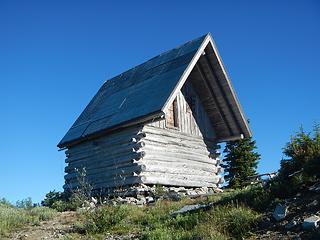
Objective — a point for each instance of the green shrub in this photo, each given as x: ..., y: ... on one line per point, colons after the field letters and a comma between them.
x: 52, y: 197
x: 5, y: 202
x: 25, y: 203
x: 301, y: 166
x: 63, y: 201
x: 104, y: 219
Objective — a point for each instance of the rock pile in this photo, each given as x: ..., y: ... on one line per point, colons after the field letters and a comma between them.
x: 143, y: 194
x: 297, y: 217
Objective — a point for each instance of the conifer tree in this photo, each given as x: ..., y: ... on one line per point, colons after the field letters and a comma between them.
x: 240, y: 161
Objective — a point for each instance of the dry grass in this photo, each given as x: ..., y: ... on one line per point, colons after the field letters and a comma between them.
x: 13, y: 218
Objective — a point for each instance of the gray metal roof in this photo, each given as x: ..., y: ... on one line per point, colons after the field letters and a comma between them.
x: 134, y: 94
x: 144, y: 92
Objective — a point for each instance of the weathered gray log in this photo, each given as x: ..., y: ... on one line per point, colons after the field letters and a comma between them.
x: 117, y: 151
x: 156, y: 134
x: 180, y: 170
x: 176, y: 142
x: 110, y: 149
x: 165, y: 139
x: 175, y: 150
x: 110, y: 171
x: 171, y: 133
x: 171, y: 156
x: 110, y: 139
x: 105, y: 161
x: 93, y: 179
x: 180, y: 180
x: 183, y: 164
x: 108, y: 184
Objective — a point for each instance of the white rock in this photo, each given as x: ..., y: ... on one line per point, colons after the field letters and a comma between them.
x: 95, y: 201
x: 149, y: 199
x: 92, y: 205
x: 311, y: 223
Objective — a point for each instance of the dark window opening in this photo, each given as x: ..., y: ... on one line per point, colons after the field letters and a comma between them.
x: 172, y: 115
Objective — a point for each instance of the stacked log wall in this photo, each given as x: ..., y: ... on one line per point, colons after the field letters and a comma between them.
x: 109, y: 161
x: 144, y: 154
x: 174, y: 158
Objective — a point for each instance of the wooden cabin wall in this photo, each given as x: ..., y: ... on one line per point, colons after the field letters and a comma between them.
x: 178, y: 159
x: 144, y: 154
x: 108, y: 160
x: 191, y: 116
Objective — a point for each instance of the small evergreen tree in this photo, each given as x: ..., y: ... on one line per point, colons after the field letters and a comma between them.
x: 240, y: 161
x: 301, y: 165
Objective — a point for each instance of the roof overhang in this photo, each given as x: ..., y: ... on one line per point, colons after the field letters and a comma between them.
x: 121, y: 101
x: 207, y: 74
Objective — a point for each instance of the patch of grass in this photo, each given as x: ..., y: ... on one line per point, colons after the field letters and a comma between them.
x: 255, y: 197
x: 12, y: 218
x: 236, y: 221
x: 41, y: 213
x: 224, y: 221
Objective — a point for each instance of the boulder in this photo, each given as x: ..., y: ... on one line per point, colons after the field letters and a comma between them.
x: 311, y: 223
x: 190, y: 208
x: 280, y: 212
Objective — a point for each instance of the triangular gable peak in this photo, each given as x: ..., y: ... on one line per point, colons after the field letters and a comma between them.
x: 207, y: 75
x: 144, y: 93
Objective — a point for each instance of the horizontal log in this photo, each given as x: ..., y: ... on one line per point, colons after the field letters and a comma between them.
x: 172, y: 156
x: 93, y: 179
x: 80, y: 150
x: 173, y: 181
x: 108, y: 184
x: 121, y: 135
x: 108, y: 152
x: 176, y: 148
x: 167, y: 177
x: 180, y: 164
x: 175, y: 151
x: 108, y: 172
x: 163, y: 139
x: 110, y: 149
x: 106, y: 161
x: 177, y: 134
x: 186, y: 169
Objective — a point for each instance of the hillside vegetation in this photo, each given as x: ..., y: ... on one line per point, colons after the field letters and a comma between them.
x: 13, y: 218
x: 245, y: 213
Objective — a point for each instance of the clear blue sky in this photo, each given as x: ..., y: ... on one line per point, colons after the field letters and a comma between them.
x: 54, y: 56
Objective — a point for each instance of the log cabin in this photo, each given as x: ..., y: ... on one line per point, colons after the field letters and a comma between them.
x: 160, y: 122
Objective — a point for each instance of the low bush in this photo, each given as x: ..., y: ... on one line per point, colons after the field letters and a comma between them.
x: 63, y: 201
